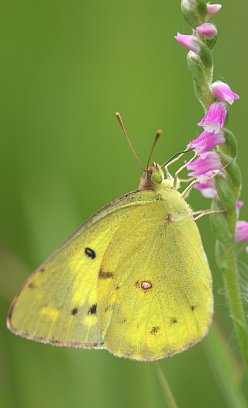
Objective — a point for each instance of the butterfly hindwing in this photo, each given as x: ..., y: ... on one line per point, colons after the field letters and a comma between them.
x: 155, y: 296
x: 58, y: 303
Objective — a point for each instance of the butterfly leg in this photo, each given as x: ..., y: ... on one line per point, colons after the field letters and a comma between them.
x: 176, y: 182
x: 202, y: 213
x: 168, y: 175
x: 187, y: 190
x: 189, y: 180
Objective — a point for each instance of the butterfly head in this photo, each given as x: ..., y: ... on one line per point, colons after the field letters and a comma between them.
x: 153, y: 179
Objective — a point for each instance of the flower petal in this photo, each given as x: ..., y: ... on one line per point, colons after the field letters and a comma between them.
x: 215, y: 117
x: 223, y: 91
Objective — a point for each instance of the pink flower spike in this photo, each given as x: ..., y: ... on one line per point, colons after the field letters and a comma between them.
x: 192, y: 42
x: 223, y: 91
x: 239, y: 204
x: 213, y: 9
x: 206, y: 141
x: 208, y: 30
x: 215, y: 117
x: 207, y: 162
x: 241, y: 233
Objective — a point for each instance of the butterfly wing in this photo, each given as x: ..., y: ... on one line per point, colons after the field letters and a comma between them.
x: 58, y: 303
x: 155, y: 295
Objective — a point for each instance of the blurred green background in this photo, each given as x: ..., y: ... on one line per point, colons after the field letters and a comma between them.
x: 66, y: 68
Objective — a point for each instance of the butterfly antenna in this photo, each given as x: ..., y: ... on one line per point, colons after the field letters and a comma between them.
x: 175, y: 156
x: 157, y: 136
x: 119, y: 118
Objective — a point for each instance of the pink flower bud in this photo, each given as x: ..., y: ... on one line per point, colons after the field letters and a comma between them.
x: 208, y: 30
x: 241, y: 233
x: 209, y: 161
x: 189, y: 4
x: 206, y: 141
x: 215, y: 117
x: 207, y: 187
x: 213, y: 9
x: 193, y: 56
x: 192, y: 42
x: 239, y: 204
x: 223, y: 91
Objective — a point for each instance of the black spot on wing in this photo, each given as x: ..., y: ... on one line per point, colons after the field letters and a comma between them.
x: 173, y: 320
x: 90, y: 253
x: 74, y: 311
x: 105, y: 275
x: 192, y: 307
x: 31, y: 285
x: 154, y: 330
x: 92, y: 309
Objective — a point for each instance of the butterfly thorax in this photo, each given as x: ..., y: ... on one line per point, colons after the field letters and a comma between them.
x: 153, y: 179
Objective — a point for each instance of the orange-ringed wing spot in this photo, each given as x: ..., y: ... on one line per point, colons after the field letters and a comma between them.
x: 74, y: 311
x: 92, y: 309
x: 90, y: 253
x: 145, y: 285
x: 154, y: 330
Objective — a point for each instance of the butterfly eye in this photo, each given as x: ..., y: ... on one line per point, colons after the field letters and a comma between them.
x: 156, y: 177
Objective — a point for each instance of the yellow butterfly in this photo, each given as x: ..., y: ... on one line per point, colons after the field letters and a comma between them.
x: 134, y: 279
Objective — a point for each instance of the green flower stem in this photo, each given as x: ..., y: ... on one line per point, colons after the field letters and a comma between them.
x: 169, y: 397
x: 229, y: 371
x: 232, y: 287
x: 231, y: 282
